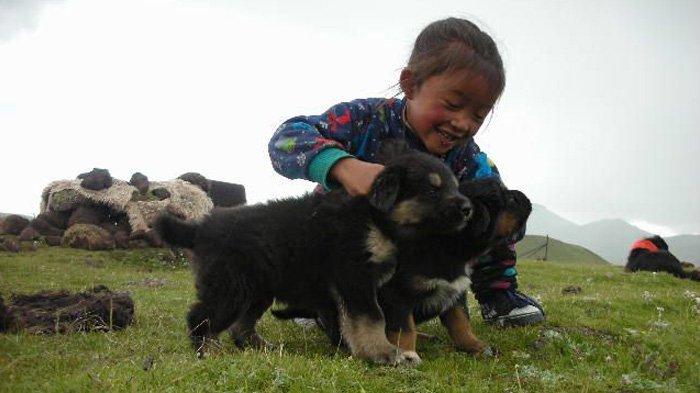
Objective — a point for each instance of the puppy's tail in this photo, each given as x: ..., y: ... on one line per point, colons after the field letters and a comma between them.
x: 175, y: 231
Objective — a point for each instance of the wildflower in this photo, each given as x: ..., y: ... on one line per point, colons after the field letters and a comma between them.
x: 632, y: 332
x: 521, y: 355
x: 660, y: 324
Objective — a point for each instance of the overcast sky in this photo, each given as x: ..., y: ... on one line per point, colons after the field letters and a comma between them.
x: 600, y: 117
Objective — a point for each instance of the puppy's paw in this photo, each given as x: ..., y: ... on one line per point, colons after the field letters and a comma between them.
x: 394, y: 356
x: 411, y: 358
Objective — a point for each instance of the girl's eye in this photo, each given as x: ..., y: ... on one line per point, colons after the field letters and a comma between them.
x: 452, y: 106
x: 480, y: 117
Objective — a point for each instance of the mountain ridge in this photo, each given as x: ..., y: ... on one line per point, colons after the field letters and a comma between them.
x: 610, y: 238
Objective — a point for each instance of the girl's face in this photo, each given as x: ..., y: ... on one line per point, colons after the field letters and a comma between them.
x: 446, y: 110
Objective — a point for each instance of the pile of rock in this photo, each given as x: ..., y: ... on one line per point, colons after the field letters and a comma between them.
x: 98, y: 212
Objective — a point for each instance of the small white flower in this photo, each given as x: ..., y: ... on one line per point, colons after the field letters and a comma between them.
x: 552, y: 334
x: 632, y: 332
x: 627, y: 379
x: 690, y: 294
x: 660, y: 324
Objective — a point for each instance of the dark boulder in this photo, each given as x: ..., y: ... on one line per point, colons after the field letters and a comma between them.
x: 57, y: 219
x: 140, y: 181
x: 196, y: 179
x: 161, y: 193
x: 14, y: 224
x: 51, y: 223
x: 53, y: 241
x: 225, y: 194
x: 10, y: 244
x: 97, y: 179
x: 89, y: 214
x: 29, y: 234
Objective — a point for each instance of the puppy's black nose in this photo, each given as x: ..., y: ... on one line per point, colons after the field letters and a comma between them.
x: 466, y: 207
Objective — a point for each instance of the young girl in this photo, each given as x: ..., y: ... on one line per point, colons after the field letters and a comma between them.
x: 452, y: 80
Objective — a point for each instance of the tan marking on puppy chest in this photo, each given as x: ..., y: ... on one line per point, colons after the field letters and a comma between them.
x: 435, y: 179
x: 407, y: 212
x: 379, y: 245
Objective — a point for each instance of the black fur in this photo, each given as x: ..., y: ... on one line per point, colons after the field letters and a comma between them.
x: 432, y: 272
x: 315, y: 252
x: 661, y: 260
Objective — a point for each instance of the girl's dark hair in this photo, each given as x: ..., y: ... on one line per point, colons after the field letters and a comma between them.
x: 455, y: 44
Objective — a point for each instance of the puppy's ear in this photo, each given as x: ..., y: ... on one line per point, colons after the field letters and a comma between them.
x: 385, y: 190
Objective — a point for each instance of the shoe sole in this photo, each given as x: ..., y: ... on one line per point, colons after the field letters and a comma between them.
x: 520, y: 320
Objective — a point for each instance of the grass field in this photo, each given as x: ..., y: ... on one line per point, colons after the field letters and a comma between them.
x: 622, y: 333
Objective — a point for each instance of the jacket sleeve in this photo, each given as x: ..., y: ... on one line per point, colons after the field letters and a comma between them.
x: 306, y: 147
x: 472, y: 164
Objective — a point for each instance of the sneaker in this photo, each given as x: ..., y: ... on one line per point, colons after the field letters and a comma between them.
x: 306, y: 323
x: 510, y: 308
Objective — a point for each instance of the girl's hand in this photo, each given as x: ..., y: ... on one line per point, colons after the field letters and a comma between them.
x: 355, y: 175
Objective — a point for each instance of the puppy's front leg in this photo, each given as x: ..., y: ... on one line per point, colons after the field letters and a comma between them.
x: 460, y: 331
x: 363, y: 328
x: 404, y: 336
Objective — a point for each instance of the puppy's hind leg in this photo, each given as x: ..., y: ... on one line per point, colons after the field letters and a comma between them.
x: 199, y: 328
x: 214, y: 312
x: 243, y: 332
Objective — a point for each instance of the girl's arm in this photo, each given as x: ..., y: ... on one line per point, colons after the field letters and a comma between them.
x: 309, y: 147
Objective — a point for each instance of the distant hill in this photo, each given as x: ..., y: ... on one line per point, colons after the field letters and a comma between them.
x: 532, y: 247
x: 609, y: 238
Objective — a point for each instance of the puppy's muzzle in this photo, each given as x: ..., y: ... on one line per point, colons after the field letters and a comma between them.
x: 466, y: 208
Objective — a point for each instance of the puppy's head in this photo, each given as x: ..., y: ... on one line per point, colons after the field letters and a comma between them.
x: 658, y: 242
x: 418, y: 195
x: 499, y: 213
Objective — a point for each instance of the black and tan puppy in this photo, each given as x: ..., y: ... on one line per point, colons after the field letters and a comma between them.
x: 316, y: 252
x: 652, y: 254
x: 433, y: 271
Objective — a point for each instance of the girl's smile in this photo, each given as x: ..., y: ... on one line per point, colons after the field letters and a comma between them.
x: 447, y: 109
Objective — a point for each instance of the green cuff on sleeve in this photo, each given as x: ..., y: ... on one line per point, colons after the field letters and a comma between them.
x: 322, y: 164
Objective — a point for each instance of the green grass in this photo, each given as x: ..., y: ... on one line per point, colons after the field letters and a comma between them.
x: 622, y: 333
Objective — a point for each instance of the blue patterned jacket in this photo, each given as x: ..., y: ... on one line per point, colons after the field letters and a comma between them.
x: 306, y: 147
